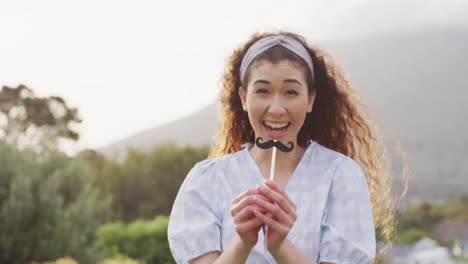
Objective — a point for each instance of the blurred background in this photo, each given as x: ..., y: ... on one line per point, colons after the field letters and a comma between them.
x: 106, y: 106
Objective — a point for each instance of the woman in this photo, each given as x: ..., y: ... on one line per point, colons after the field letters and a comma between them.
x: 318, y: 208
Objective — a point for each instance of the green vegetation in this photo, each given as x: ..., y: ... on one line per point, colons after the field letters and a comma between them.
x: 145, y: 184
x: 423, y: 219
x: 47, y: 207
x: 412, y: 235
x: 142, y: 240
x: 52, y: 205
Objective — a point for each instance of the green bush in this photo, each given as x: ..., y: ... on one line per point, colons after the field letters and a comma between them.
x: 412, y: 235
x: 142, y: 240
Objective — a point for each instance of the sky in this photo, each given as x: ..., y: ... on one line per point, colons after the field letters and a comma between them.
x: 132, y: 65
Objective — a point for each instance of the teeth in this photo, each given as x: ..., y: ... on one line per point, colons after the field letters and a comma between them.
x: 276, y: 125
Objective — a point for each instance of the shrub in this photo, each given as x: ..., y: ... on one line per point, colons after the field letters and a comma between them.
x: 412, y: 235
x: 142, y: 239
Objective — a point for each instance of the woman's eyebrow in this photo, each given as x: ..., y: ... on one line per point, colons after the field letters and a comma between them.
x: 285, y: 81
x: 261, y: 81
x: 292, y: 81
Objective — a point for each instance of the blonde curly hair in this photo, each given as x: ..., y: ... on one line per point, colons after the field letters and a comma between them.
x: 339, y: 121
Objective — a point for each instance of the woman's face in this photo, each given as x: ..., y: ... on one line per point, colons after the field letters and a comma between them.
x: 276, y: 100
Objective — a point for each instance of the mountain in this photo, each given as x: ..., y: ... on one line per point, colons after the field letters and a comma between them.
x: 196, y: 129
x: 415, y: 83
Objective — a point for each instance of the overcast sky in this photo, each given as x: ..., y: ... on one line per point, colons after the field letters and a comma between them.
x: 132, y: 65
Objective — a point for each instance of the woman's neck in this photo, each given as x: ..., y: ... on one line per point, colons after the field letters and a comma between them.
x: 285, y: 163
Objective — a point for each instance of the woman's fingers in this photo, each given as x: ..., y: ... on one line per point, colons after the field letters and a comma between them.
x: 246, y: 213
x: 276, y: 210
x: 245, y: 199
x: 267, y: 198
x: 244, y: 194
x: 276, y: 187
x: 279, y: 199
x: 248, y: 225
x: 242, y: 200
x: 282, y: 229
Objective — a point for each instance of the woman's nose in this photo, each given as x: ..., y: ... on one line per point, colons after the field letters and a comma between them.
x: 277, y: 106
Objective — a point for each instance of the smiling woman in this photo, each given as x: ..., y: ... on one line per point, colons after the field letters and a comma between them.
x: 278, y: 99
x: 331, y: 191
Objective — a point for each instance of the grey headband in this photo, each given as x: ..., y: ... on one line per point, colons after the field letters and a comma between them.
x: 268, y: 42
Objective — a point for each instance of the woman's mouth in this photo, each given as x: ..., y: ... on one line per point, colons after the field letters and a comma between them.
x: 276, y: 130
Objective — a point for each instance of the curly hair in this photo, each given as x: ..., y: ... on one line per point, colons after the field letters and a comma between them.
x: 339, y: 121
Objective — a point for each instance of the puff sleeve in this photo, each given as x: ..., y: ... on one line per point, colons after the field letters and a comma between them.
x: 348, y: 234
x: 196, y: 219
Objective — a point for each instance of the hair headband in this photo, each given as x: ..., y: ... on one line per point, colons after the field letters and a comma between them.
x: 268, y: 42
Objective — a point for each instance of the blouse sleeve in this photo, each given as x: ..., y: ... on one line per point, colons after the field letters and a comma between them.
x: 348, y: 234
x: 196, y: 219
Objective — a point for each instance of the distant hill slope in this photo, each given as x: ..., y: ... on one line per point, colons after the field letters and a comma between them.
x: 196, y: 129
x: 416, y: 84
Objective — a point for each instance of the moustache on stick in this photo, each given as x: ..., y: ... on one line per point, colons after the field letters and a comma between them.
x: 274, y: 143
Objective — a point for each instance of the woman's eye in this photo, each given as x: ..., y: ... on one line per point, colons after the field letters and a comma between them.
x: 262, y: 91
x: 292, y: 92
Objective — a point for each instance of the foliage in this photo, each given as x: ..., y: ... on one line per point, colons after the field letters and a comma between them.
x: 412, y: 235
x: 37, y: 122
x: 424, y: 219
x: 51, y: 205
x: 423, y: 216
x: 143, y: 240
x: 145, y: 184
x: 426, y: 216
x: 48, y: 207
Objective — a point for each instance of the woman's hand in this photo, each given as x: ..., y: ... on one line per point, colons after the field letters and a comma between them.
x: 242, y: 211
x: 283, y: 210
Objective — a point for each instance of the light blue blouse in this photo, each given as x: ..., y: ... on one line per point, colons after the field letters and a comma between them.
x: 334, y: 217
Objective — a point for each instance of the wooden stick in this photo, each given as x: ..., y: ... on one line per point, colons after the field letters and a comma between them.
x: 272, y: 177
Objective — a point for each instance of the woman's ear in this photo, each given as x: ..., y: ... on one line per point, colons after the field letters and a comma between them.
x: 243, y: 97
x: 310, y: 103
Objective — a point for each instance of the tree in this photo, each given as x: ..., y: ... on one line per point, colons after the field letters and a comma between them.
x: 145, y: 184
x: 48, y: 208
x: 38, y: 122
